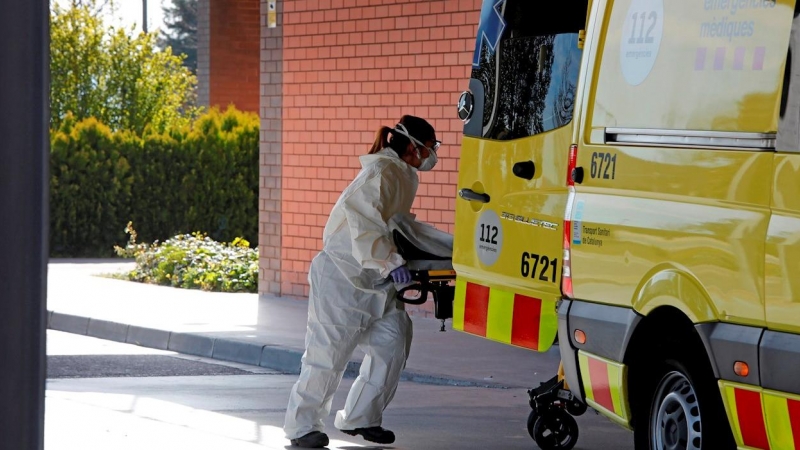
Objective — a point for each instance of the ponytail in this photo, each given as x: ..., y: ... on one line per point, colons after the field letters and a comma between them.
x: 381, y: 140
x: 408, y: 126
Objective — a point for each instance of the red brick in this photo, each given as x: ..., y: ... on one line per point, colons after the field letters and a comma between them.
x: 352, y: 66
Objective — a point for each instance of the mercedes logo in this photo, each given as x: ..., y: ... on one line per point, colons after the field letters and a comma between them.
x: 465, y: 105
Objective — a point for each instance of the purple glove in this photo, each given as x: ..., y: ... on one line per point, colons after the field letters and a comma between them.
x: 401, y: 275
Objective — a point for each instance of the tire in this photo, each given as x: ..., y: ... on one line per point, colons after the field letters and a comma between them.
x: 531, y: 422
x: 555, y: 430
x: 685, y: 412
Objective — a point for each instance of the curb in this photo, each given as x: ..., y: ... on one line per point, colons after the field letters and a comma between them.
x: 281, y: 359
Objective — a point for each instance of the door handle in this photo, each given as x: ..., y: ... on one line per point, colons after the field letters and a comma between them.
x: 473, y: 196
x: 524, y: 169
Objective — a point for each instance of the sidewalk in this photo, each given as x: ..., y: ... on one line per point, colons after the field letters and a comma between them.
x: 265, y: 331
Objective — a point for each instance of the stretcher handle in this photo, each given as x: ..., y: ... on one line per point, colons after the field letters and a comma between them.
x: 414, y: 287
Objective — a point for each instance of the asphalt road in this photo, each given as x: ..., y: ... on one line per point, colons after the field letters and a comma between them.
x: 106, y: 395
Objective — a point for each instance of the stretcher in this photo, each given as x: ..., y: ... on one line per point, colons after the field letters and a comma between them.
x: 433, y: 277
x: 550, y: 423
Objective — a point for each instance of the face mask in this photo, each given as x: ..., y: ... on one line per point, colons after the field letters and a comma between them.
x: 429, y: 162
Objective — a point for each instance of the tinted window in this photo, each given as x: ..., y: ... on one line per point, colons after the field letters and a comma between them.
x: 529, y: 78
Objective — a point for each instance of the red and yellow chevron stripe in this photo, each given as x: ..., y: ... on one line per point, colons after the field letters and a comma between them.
x: 504, y: 316
x: 760, y: 418
x: 605, y: 385
x: 746, y: 415
x: 783, y: 420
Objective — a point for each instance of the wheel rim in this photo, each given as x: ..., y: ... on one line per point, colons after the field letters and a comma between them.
x: 675, y: 419
x: 555, y: 432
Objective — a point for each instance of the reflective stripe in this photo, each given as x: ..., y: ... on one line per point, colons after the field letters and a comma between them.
x: 615, y: 389
x: 525, y: 329
x: 745, y: 415
x: 733, y: 414
x: 459, y: 306
x: 476, y: 309
x: 504, y: 316
x: 762, y: 419
x: 751, y: 418
x: 598, y: 375
x: 604, y: 383
x: 583, y: 364
x: 782, y: 413
x: 793, y: 407
x: 501, y: 304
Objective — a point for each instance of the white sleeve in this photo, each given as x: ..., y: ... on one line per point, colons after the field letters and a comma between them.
x: 368, y: 210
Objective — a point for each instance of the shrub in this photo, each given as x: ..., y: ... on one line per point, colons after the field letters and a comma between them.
x: 199, y: 177
x: 90, y: 188
x: 193, y: 261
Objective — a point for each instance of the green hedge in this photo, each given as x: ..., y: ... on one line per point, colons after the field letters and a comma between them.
x: 203, y: 178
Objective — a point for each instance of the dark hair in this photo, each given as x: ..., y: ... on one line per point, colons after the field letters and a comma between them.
x: 417, y: 127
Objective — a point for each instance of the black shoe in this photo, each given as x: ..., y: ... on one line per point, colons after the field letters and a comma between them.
x: 315, y: 439
x: 373, y: 434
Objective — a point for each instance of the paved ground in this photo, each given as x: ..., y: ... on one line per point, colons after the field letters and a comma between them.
x: 202, y: 408
x: 266, y: 331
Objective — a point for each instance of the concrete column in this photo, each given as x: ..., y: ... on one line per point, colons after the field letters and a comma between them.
x: 24, y: 159
x: 270, y: 194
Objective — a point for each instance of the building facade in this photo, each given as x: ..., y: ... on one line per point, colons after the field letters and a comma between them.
x: 331, y: 72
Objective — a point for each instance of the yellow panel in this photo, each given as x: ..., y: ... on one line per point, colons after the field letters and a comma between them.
x: 696, y: 79
x: 659, y: 238
x: 548, y: 323
x: 779, y: 427
x: 617, y: 379
x: 500, y: 315
x: 729, y: 400
x: 782, y: 285
x: 514, y: 242
x: 583, y: 360
x: 459, y: 302
x: 727, y: 388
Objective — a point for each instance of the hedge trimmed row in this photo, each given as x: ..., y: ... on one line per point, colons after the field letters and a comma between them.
x: 203, y: 178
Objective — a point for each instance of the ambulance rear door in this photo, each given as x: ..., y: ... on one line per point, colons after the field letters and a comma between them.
x: 512, y: 182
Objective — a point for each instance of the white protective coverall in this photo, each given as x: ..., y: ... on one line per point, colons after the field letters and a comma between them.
x: 427, y: 238
x: 352, y: 302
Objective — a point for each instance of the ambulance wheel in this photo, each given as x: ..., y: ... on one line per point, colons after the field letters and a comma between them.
x: 686, y: 411
x: 675, y: 420
x: 555, y: 430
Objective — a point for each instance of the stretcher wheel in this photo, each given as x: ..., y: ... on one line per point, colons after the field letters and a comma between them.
x: 555, y: 429
x: 576, y: 408
x: 531, y: 421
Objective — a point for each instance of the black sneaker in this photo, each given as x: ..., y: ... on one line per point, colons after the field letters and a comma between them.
x: 315, y: 439
x: 373, y: 434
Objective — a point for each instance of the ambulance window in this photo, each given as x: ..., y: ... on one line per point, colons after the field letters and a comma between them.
x: 530, y: 76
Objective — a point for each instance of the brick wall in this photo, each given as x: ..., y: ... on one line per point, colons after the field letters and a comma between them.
x: 233, y: 76
x: 349, y: 67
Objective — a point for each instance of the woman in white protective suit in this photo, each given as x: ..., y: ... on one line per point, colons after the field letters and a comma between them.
x: 352, y: 293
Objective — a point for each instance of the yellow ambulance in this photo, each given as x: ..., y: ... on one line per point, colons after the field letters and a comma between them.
x: 629, y: 188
